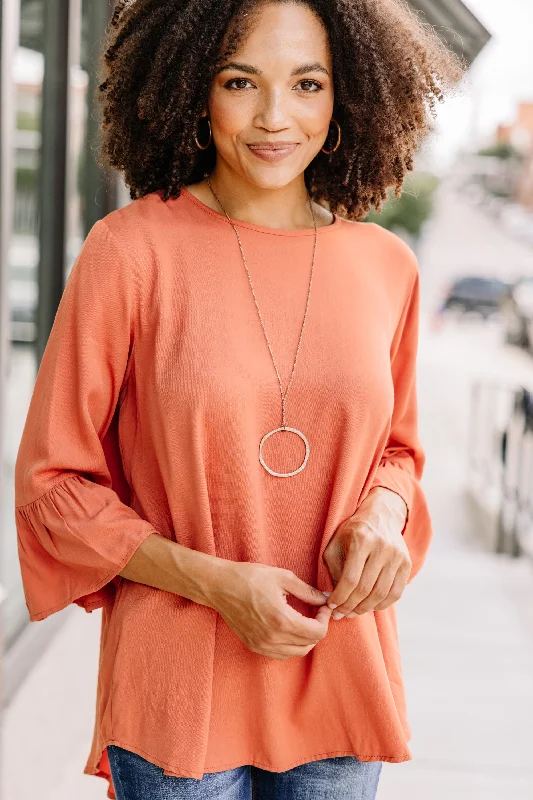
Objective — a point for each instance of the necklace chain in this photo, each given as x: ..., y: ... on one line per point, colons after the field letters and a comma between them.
x: 283, y: 396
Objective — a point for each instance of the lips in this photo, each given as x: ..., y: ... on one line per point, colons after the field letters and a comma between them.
x: 273, y: 152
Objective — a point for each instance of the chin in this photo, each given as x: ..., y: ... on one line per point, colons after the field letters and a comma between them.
x: 274, y: 177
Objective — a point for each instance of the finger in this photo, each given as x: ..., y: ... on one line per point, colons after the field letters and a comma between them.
x: 287, y: 651
x: 287, y: 634
x: 294, y: 585
x: 309, y: 628
x: 350, y: 575
x: 371, y: 570
x: 323, y: 615
x: 380, y: 590
x: 396, y: 590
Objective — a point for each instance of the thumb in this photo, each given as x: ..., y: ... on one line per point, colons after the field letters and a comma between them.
x: 323, y: 615
x: 302, y: 590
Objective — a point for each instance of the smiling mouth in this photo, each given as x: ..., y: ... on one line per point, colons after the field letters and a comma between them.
x: 273, y: 152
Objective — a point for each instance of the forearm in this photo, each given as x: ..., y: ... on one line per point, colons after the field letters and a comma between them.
x: 170, y: 566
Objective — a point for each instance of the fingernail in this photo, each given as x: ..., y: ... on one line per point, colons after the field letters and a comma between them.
x: 326, y: 593
x: 351, y: 614
x: 337, y: 615
x: 333, y: 605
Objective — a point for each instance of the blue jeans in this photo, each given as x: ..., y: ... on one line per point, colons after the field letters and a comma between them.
x: 340, y: 778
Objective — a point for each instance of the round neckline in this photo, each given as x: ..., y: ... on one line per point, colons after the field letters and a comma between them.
x: 261, y: 228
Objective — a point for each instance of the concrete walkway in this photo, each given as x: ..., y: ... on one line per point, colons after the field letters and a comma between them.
x: 466, y: 634
x: 466, y: 621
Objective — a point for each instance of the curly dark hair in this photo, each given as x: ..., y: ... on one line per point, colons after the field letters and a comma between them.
x: 160, y: 57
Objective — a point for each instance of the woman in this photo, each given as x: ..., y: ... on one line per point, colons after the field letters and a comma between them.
x: 222, y: 444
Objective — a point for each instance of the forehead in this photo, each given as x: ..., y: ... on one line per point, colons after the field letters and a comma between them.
x: 288, y: 32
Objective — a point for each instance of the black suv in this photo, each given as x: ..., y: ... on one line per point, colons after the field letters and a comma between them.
x: 476, y: 293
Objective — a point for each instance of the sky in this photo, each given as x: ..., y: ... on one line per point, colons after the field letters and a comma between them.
x: 500, y: 77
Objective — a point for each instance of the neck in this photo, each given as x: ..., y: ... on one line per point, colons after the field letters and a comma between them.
x: 283, y: 207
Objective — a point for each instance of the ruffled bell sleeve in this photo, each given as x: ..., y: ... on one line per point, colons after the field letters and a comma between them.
x: 75, y: 528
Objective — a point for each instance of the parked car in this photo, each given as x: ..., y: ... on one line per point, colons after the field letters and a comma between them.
x: 477, y: 293
x: 518, y: 313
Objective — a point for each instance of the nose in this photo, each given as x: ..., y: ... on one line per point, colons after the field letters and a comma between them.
x: 272, y: 112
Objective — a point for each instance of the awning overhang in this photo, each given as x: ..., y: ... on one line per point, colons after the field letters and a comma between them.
x: 456, y: 24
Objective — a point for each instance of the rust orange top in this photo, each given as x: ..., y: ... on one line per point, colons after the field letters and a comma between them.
x: 154, y: 391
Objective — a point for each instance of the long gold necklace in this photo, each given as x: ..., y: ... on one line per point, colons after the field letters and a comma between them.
x: 283, y: 427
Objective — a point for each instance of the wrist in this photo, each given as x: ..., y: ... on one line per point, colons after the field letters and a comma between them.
x: 391, y: 499
x: 199, y: 575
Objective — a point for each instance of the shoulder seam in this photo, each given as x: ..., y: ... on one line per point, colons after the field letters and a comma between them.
x: 115, y: 238
x: 137, y: 302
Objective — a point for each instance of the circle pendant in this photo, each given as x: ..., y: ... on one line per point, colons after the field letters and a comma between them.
x: 284, y: 474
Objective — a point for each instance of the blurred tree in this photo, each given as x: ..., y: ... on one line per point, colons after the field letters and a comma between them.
x: 26, y: 179
x: 503, y: 150
x: 27, y: 121
x: 32, y: 24
x: 499, y: 169
x: 409, y: 212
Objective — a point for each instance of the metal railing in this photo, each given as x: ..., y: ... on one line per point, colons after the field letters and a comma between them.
x: 500, y: 463
x: 515, y: 521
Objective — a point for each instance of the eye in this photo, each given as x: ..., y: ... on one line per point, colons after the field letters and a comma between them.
x: 227, y: 85
x: 311, y: 83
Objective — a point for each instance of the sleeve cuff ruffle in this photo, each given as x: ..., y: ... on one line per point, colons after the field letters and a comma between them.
x: 73, y: 542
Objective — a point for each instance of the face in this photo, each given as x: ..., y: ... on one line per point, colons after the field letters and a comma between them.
x: 276, y: 90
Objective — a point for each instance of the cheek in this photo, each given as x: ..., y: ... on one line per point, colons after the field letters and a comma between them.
x: 314, y: 118
x: 228, y: 118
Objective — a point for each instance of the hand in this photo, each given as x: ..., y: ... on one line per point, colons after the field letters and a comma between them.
x: 251, y: 598
x: 367, y: 556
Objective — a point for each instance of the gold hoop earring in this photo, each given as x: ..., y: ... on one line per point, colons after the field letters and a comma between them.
x: 200, y: 146
x: 338, y: 138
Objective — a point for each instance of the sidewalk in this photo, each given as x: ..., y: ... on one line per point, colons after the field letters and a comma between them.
x: 466, y: 635
x: 466, y: 621
x: 468, y: 662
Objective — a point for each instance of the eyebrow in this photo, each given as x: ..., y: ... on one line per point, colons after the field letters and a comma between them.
x: 302, y: 70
